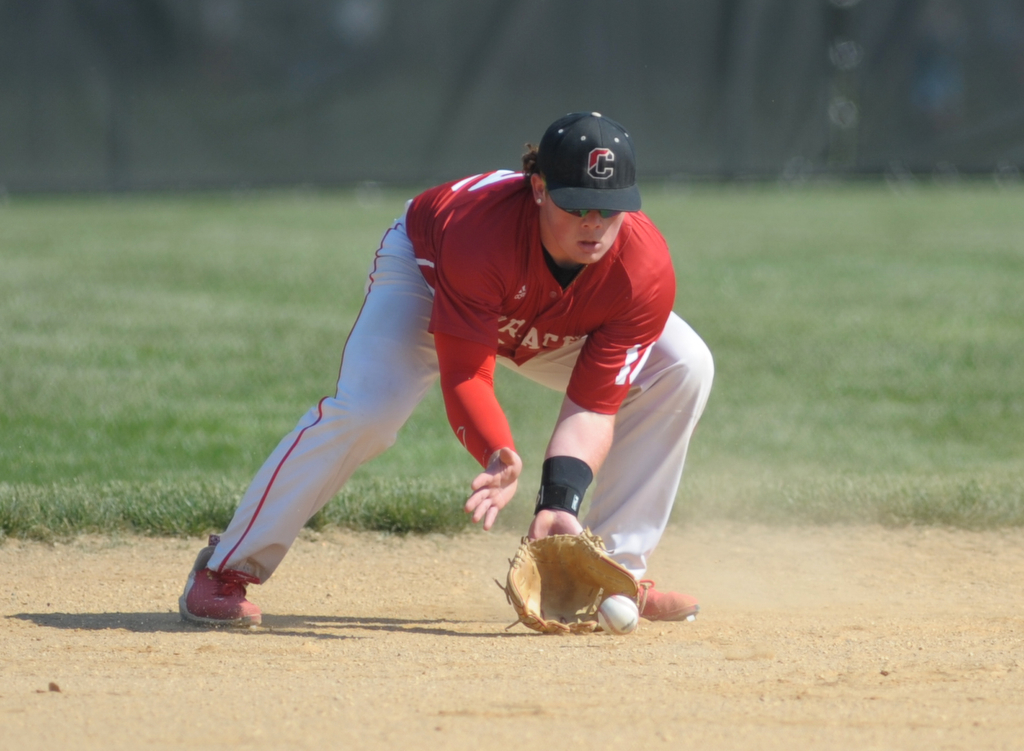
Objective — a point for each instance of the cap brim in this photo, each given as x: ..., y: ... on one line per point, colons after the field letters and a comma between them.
x: 615, y: 199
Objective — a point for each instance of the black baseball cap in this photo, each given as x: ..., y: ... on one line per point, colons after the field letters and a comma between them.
x: 588, y: 162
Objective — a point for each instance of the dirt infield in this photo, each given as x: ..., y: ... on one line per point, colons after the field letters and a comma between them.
x: 837, y: 638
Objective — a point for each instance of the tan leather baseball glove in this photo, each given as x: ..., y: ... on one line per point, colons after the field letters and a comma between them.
x: 557, y: 583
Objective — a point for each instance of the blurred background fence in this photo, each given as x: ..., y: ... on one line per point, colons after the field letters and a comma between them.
x: 142, y: 94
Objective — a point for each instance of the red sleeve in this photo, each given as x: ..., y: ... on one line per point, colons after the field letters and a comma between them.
x: 467, y: 384
x: 640, y: 292
x: 615, y: 353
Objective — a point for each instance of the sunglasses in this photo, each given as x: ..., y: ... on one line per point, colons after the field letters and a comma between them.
x: 605, y: 213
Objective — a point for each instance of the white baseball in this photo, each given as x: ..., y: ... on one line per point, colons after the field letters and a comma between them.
x: 618, y: 614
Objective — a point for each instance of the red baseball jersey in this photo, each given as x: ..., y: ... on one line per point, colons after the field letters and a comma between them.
x: 478, y: 245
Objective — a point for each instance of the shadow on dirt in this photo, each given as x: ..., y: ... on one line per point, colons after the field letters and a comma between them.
x: 317, y: 627
x: 142, y: 623
x: 435, y: 627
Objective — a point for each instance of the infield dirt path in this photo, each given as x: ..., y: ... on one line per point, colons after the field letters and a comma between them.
x: 833, y: 638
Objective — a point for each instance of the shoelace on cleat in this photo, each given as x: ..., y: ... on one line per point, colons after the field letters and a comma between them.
x: 232, y: 581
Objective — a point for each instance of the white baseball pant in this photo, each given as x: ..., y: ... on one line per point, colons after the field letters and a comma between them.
x: 389, y: 363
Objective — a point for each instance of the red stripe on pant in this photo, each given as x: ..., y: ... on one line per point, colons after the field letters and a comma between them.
x: 263, y: 498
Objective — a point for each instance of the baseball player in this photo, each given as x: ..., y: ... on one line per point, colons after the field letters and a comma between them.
x: 552, y: 272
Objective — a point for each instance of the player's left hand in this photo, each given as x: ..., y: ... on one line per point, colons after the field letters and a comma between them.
x: 494, y: 487
x: 549, y: 522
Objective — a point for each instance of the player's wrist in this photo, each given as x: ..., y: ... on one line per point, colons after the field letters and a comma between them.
x: 564, y: 482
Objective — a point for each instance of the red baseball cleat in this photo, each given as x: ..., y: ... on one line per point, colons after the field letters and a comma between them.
x: 217, y: 598
x: 665, y: 606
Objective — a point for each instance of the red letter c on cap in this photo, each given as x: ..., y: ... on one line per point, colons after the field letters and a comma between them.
x: 600, y: 164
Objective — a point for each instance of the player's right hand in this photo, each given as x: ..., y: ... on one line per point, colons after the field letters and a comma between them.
x: 494, y: 487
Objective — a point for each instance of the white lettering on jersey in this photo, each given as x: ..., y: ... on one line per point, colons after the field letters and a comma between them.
x: 629, y: 372
x: 530, y: 340
x: 550, y: 339
x: 512, y: 327
x: 521, y: 293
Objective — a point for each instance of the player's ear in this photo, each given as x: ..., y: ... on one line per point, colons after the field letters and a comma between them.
x: 539, y: 190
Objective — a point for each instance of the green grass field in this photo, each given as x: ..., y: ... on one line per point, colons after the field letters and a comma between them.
x: 869, y: 348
